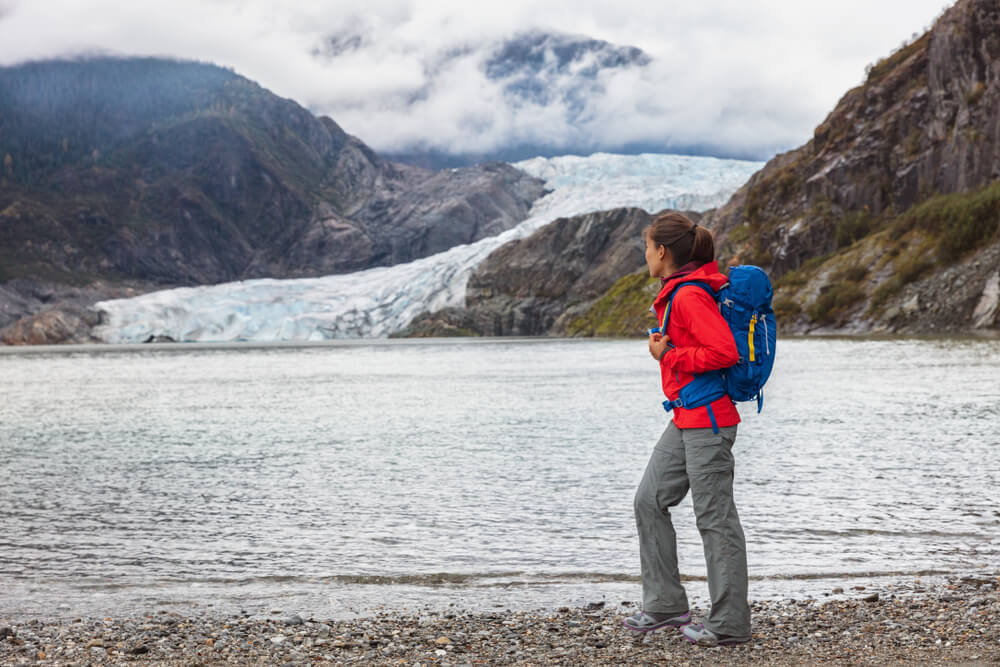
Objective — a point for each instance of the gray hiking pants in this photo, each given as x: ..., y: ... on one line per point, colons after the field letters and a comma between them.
x: 698, y: 459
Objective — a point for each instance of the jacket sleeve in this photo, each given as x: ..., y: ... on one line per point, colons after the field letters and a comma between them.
x: 696, y: 312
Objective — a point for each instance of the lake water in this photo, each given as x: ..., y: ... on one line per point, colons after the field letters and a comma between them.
x: 330, y: 480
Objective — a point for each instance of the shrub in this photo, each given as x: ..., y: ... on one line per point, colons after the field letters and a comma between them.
x: 740, y: 234
x: 757, y: 255
x: 754, y: 205
x: 835, y: 299
x: 968, y: 233
x: 777, y: 187
x: 796, y: 278
x: 886, y: 65
x: 853, y: 227
x: 786, y: 309
x: 800, y: 276
x: 787, y: 183
x: 852, y: 274
x: 621, y: 311
x: 883, y: 292
x: 901, y: 226
x: 912, y: 267
x: 906, y: 271
x: 960, y: 222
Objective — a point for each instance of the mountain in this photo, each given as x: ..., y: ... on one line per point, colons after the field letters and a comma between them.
x: 378, y: 302
x: 888, y: 219
x: 141, y: 173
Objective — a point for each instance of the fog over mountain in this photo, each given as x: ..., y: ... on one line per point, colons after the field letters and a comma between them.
x: 560, y: 75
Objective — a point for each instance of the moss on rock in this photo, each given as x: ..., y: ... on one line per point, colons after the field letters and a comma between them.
x: 622, y: 311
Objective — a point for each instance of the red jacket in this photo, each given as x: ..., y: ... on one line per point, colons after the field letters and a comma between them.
x: 702, y: 342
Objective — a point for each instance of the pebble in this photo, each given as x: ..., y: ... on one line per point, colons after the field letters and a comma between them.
x: 956, y: 621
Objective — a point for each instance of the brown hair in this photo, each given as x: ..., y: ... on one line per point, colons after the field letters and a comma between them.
x: 683, y: 239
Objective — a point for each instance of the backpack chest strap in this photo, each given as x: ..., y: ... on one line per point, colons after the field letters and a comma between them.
x: 670, y: 300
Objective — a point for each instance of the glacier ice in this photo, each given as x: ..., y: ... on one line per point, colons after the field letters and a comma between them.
x: 379, y: 301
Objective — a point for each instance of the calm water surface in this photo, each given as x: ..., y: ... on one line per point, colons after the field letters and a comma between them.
x: 329, y: 480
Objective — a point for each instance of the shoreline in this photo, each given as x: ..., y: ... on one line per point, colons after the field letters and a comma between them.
x: 102, y: 347
x: 953, y: 620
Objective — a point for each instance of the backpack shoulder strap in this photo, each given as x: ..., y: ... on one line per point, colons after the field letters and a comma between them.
x: 670, y: 300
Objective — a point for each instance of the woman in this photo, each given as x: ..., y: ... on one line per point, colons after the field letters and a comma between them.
x: 691, y: 454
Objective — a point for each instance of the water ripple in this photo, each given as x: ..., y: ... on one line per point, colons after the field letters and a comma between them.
x: 331, y: 468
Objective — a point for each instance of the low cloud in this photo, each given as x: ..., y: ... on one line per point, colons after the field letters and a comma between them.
x: 723, y: 77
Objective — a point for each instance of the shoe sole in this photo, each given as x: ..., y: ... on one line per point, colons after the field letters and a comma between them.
x: 722, y: 642
x: 671, y: 623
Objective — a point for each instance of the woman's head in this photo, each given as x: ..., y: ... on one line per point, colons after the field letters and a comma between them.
x: 672, y: 241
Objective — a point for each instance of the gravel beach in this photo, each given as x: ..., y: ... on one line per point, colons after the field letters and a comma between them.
x: 954, y: 621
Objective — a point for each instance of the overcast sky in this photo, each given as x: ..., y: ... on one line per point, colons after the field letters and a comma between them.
x: 745, y: 78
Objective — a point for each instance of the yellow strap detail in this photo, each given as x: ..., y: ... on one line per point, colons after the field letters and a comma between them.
x: 753, y: 323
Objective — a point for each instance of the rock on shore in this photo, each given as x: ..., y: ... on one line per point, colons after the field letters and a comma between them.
x: 957, y: 621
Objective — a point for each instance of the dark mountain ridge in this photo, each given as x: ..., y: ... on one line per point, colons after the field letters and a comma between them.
x: 154, y: 173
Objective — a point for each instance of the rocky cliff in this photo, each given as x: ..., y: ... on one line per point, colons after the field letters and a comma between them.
x: 157, y: 173
x: 886, y: 220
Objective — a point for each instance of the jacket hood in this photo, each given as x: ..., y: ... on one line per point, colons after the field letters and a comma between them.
x: 706, y: 273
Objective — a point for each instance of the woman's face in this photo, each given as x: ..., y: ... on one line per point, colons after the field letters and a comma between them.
x: 657, y: 259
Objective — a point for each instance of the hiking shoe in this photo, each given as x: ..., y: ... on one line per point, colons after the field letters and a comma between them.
x: 696, y: 633
x: 648, y: 621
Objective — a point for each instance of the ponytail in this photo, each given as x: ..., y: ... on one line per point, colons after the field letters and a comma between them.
x: 683, y: 239
x: 703, y: 250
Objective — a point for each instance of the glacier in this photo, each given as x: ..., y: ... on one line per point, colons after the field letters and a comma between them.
x: 376, y: 302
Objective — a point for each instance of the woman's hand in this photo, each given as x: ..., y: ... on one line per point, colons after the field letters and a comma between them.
x: 657, y: 344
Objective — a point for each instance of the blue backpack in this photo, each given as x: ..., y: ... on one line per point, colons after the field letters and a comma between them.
x: 745, y: 304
